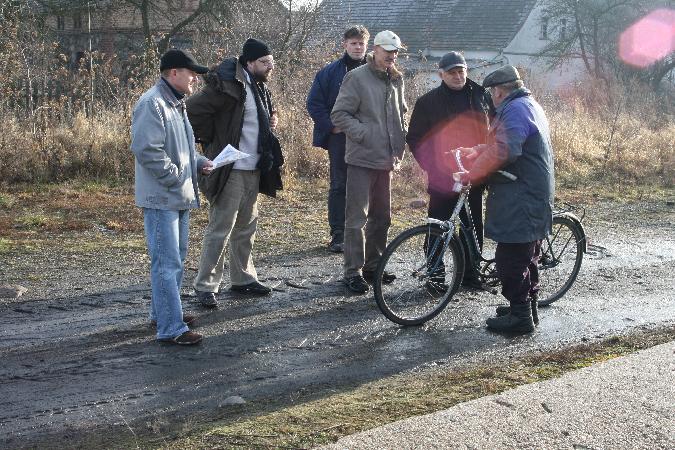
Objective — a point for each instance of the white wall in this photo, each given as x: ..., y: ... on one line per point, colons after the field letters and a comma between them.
x: 527, y: 43
x: 520, y: 52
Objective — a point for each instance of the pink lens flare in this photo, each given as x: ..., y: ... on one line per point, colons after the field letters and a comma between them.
x: 648, y: 40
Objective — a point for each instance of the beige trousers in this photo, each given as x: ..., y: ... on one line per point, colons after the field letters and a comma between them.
x: 367, y: 218
x: 234, y: 217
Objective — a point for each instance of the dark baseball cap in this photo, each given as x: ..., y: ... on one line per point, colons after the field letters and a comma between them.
x: 180, y: 59
x: 451, y: 60
x: 505, y: 74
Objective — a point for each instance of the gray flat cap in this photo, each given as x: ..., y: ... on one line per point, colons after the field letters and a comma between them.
x: 502, y: 75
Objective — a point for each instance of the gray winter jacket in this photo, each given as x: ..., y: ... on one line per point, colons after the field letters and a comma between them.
x: 370, y: 109
x: 164, y: 145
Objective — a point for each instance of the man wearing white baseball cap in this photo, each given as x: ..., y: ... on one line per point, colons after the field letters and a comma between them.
x: 370, y: 109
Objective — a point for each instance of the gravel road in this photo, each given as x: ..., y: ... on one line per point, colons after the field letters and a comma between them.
x: 78, y: 356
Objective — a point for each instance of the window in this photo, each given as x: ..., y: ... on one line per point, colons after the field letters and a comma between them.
x: 77, y: 21
x: 563, y: 28
x: 544, y: 28
x: 60, y: 23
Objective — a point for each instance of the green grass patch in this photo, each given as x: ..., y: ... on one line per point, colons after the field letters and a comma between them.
x: 312, y: 421
x: 34, y: 220
x: 18, y: 246
x: 6, y: 200
x: 6, y: 246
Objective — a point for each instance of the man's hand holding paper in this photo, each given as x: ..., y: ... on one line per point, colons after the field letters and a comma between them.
x: 227, y: 156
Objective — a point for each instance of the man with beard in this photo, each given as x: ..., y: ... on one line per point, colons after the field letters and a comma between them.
x: 370, y: 109
x: 235, y: 108
x: 455, y: 114
x: 320, y: 102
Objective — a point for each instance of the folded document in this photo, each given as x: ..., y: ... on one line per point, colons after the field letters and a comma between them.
x: 227, y: 156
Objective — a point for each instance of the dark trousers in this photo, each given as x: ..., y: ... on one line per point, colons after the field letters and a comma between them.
x: 517, y: 270
x: 338, y: 183
x: 441, y: 206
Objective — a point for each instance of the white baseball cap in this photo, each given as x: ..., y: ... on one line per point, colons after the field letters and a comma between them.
x: 388, y: 41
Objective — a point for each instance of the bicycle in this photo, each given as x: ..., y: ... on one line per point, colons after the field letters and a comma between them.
x: 428, y: 261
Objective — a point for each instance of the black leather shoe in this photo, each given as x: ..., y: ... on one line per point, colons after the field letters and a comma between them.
x: 473, y: 283
x: 387, y: 278
x: 253, y: 288
x: 357, y: 284
x: 207, y: 299
x: 436, y: 287
x: 336, y: 244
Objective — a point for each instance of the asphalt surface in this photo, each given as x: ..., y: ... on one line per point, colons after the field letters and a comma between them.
x: 79, y: 359
x: 625, y: 403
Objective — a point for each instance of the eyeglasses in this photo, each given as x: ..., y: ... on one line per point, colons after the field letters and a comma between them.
x: 267, y: 62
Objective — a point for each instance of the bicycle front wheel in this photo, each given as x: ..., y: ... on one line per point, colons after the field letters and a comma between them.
x: 560, y: 261
x: 428, y: 273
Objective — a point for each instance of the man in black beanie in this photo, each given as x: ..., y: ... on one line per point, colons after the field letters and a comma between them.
x: 235, y: 107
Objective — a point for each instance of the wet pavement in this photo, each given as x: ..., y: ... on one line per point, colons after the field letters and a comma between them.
x: 76, y: 363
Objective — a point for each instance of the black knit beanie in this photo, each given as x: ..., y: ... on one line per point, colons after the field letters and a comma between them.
x: 253, y: 49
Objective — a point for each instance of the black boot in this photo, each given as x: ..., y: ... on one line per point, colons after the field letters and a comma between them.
x: 503, y: 310
x: 519, y: 320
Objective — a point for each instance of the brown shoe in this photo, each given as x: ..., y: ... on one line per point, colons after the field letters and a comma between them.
x: 187, y: 338
x: 190, y: 321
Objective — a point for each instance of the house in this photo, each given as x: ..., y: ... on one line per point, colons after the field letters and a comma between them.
x: 490, y: 33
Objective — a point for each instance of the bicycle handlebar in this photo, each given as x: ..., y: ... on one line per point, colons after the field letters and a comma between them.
x: 458, y: 158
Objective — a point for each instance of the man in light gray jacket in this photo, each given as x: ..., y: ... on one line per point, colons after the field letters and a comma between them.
x: 166, y: 188
x: 370, y: 109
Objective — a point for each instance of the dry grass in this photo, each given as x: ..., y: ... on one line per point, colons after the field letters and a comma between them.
x: 600, y: 139
x: 623, y: 149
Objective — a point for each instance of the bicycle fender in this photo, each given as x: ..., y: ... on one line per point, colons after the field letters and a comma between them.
x: 577, y: 222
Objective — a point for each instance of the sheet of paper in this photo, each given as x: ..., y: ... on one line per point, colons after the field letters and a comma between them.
x: 227, y: 156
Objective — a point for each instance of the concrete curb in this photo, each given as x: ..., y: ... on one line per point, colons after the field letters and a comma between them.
x: 627, y: 402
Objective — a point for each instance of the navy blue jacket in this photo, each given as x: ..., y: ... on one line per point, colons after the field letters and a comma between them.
x: 521, y: 210
x: 321, y: 99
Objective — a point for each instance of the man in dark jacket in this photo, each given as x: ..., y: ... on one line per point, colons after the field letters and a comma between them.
x: 455, y: 114
x: 518, y: 212
x: 320, y: 102
x: 235, y: 108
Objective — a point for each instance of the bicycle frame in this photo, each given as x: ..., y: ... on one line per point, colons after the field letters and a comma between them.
x: 548, y: 258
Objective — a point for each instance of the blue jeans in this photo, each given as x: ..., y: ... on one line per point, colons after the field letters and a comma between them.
x: 166, y: 234
x: 338, y: 183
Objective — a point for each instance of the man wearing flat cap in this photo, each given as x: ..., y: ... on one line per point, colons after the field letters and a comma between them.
x: 370, y: 109
x: 166, y: 170
x: 455, y: 114
x: 235, y: 107
x: 519, y: 208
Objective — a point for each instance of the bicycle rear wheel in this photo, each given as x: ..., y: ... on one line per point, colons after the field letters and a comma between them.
x: 427, y: 275
x: 560, y: 262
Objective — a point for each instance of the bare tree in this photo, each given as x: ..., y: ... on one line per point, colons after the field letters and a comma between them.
x: 589, y: 30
